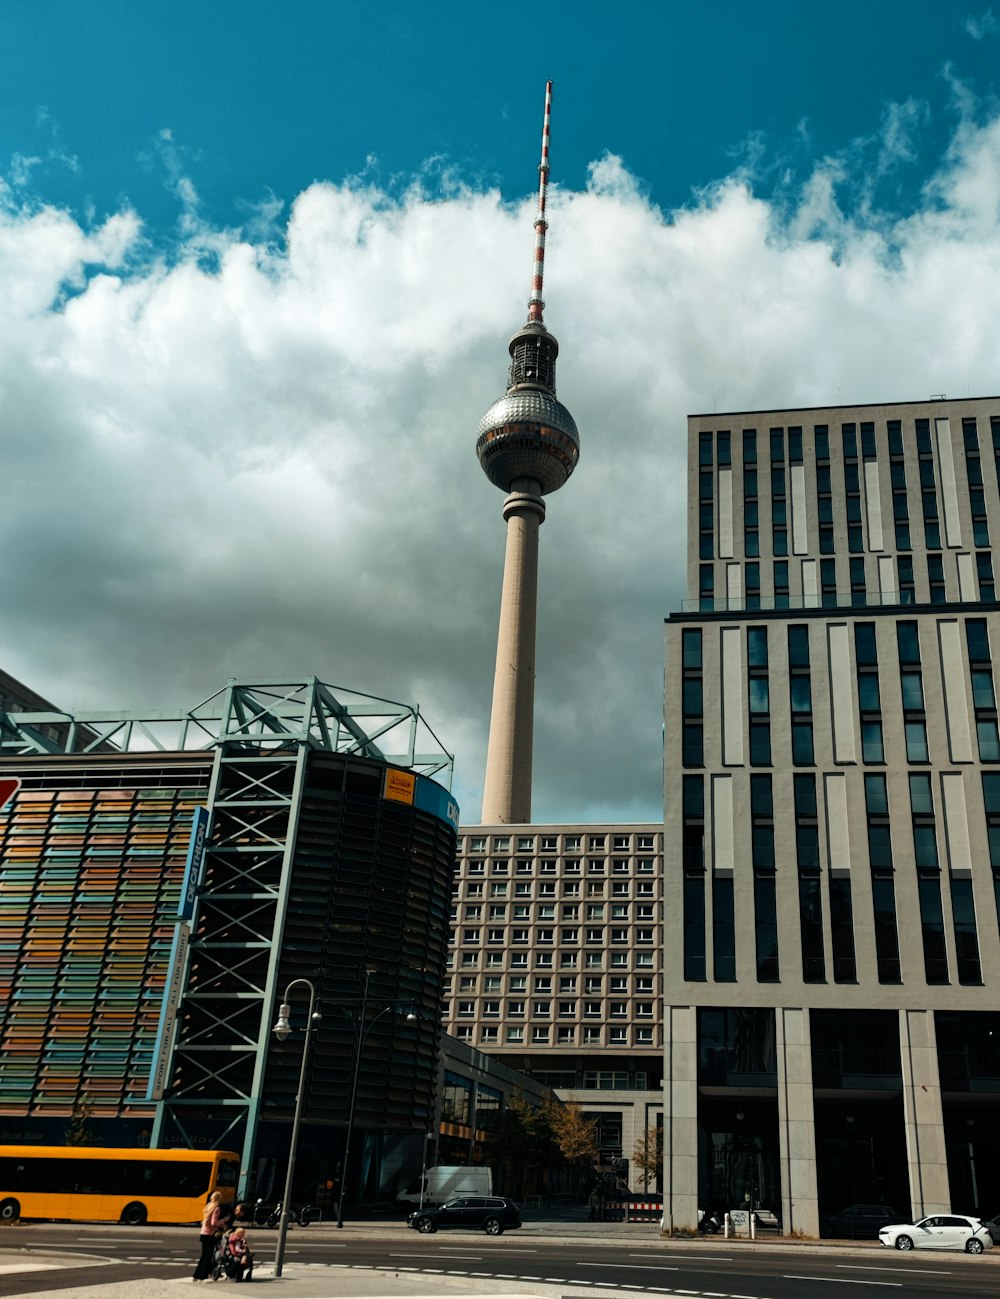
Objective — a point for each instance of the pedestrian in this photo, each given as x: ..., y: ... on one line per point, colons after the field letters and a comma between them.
x: 211, y: 1220
x: 239, y: 1258
x: 595, y: 1203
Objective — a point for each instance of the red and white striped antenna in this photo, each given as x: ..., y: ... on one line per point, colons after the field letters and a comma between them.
x: 536, y: 303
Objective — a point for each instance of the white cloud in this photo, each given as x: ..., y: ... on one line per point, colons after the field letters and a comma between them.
x: 982, y: 25
x: 256, y: 458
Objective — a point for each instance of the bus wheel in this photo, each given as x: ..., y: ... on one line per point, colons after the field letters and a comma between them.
x: 10, y: 1211
x: 134, y: 1215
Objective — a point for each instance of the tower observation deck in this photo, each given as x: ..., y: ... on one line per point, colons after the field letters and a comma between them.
x: 528, y: 446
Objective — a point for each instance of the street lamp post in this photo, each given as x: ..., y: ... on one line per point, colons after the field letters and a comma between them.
x: 281, y: 1030
x: 361, y: 1031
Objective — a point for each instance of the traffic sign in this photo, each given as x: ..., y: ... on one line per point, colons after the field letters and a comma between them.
x: 9, y: 785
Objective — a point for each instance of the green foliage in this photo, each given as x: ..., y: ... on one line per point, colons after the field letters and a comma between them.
x: 574, y: 1135
x: 77, y: 1133
x: 521, y: 1139
x: 648, y: 1154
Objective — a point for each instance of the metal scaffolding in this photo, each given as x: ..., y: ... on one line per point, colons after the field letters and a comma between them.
x: 270, y: 714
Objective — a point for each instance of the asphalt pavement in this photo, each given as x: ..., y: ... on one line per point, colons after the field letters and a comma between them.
x: 51, y: 1274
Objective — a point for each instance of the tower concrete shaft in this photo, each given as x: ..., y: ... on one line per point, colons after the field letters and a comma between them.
x: 507, y: 789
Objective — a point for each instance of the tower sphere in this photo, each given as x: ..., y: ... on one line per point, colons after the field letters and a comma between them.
x: 528, y: 433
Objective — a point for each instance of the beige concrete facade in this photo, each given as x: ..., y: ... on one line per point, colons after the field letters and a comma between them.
x: 831, y: 747
x: 555, y: 965
x: 507, y: 785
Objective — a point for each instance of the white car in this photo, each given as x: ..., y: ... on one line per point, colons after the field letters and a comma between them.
x: 941, y: 1231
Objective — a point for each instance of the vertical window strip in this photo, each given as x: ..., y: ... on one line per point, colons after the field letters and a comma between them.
x: 810, y: 895
x: 842, y: 930
x: 883, y: 890
x: 758, y: 697
x: 723, y: 929
x: 963, y: 908
x: 869, y: 697
x: 928, y: 487
x: 693, y: 703
x: 751, y: 533
x: 800, y: 690
x: 983, y: 691
x: 991, y: 807
x: 693, y: 862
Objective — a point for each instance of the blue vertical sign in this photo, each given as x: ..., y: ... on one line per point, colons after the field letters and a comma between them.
x: 195, y: 864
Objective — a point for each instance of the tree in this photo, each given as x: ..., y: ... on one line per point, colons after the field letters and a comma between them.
x: 78, y: 1134
x: 522, y: 1139
x: 648, y: 1154
x: 575, y: 1136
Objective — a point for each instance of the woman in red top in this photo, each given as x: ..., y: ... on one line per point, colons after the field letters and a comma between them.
x: 211, y: 1220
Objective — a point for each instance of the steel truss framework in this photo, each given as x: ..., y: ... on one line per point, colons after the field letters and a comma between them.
x: 219, y: 1057
x: 262, y: 736
x: 270, y: 714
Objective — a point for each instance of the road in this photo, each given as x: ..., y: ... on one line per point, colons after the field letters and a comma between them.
x: 711, y: 1269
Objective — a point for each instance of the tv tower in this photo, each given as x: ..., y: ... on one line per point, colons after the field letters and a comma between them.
x: 528, y: 446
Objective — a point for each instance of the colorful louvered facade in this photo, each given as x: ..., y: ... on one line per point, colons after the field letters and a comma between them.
x: 92, y: 852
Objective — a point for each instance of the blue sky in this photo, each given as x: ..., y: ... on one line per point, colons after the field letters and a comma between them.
x: 259, y: 266
x: 262, y: 100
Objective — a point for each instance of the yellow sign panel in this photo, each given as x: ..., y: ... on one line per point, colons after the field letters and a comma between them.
x: 399, y: 785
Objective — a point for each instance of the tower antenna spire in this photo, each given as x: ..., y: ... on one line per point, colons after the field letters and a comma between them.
x: 536, y: 303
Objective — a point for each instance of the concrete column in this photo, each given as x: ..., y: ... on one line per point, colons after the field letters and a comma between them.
x: 796, y: 1123
x: 507, y: 787
x: 923, y: 1114
x: 680, y: 1118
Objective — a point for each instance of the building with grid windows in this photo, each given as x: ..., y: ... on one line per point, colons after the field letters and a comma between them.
x: 555, y: 965
x: 833, y: 768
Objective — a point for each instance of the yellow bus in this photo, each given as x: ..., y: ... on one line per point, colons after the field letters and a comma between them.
x: 103, y: 1184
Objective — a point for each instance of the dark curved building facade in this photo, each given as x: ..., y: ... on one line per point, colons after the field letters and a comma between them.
x: 313, y: 855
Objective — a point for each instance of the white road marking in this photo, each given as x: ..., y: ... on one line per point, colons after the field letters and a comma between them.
x: 647, y: 1267
x: 713, y: 1258
x: 843, y: 1280
x: 865, y: 1267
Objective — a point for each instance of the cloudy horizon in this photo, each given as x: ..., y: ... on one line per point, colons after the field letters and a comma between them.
x: 250, y: 452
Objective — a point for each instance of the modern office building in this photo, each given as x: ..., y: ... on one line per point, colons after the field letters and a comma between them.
x: 528, y: 445
x: 555, y: 966
x: 832, y: 957
x: 165, y: 877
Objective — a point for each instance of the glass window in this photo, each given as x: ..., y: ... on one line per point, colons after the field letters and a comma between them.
x: 723, y: 929
x: 694, y: 928
x: 802, y: 744
x: 921, y: 800
x: 691, y: 642
x: 801, y: 693
x: 760, y: 744
x: 872, y: 749
x: 798, y: 647
x: 757, y: 647
x: 916, y: 741
x: 766, y: 928
x: 913, y: 692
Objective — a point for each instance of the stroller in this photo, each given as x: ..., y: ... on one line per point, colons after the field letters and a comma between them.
x: 230, y: 1262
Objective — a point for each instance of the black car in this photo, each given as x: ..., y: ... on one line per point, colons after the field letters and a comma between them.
x: 493, y: 1214
x: 992, y: 1225
x: 859, y: 1222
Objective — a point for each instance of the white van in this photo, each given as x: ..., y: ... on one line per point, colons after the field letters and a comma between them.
x: 445, y: 1180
